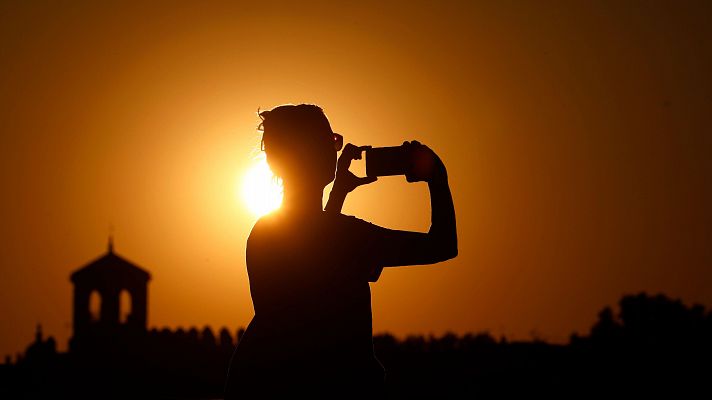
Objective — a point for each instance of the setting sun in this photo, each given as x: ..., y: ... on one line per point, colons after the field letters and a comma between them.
x: 260, y: 190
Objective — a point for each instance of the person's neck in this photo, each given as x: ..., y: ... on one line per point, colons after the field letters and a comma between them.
x: 302, y: 201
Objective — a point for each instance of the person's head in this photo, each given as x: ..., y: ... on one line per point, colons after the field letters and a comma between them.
x: 300, y: 145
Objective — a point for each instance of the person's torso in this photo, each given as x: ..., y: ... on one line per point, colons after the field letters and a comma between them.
x: 310, y: 294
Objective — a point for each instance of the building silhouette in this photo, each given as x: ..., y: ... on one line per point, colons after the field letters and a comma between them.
x: 113, y: 353
x: 106, y: 280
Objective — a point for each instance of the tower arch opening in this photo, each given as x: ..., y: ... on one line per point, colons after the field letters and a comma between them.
x: 124, y: 306
x: 95, y: 306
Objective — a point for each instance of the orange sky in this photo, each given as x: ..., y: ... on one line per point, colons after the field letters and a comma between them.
x: 577, y: 139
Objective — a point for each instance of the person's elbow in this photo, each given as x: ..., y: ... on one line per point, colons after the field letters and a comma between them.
x: 450, y: 252
x: 445, y: 249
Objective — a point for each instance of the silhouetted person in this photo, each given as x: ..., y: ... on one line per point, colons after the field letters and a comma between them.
x: 310, y: 268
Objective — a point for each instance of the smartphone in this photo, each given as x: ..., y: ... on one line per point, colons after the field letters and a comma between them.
x: 385, y: 161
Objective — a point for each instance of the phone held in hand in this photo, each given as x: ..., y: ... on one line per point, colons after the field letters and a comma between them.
x: 414, y: 161
x: 386, y: 161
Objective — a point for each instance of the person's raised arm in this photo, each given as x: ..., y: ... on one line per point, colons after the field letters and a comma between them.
x: 440, y: 242
x: 395, y: 247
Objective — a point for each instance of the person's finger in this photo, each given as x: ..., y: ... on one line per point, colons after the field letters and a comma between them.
x: 352, y: 152
x: 347, y: 154
x: 359, y: 152
x: 349, y: 150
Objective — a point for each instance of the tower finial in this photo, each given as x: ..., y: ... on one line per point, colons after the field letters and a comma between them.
x: 111, y: 238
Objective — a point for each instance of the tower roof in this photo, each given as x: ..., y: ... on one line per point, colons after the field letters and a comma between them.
x: 110, y: 266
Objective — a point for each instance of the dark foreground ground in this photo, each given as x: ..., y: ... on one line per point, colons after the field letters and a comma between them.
x: 653, y: 346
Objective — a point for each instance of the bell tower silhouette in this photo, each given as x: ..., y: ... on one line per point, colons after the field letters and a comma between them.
x: 106, y: 278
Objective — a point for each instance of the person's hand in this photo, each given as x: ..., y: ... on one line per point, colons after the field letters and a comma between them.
x: 346, y: 181
x: 425, y: 164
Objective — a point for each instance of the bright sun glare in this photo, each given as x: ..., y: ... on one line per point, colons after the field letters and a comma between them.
x: 260, y: 191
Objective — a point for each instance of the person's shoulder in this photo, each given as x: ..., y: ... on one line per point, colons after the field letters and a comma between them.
x: 351, y: 221
x: 266, y: 221
x: 263, y: 226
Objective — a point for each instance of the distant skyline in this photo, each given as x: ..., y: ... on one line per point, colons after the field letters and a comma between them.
x: 576, y: 137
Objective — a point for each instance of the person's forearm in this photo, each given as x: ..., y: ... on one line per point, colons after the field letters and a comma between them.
x: 336, y: 201
x: 443, y: 229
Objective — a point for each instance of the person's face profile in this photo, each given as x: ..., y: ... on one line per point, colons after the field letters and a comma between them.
x: 307, y: 155
x: 312, y: 158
